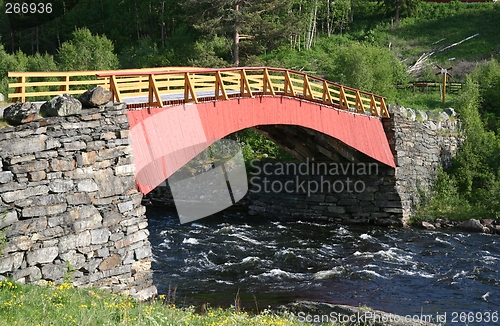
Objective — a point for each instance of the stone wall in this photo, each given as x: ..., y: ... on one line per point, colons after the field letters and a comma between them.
x: 70, y: 204
x: 421, y: 142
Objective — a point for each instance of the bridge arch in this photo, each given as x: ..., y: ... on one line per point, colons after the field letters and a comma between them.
x: 166, y: 138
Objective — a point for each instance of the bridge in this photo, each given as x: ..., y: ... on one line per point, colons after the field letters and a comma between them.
x: 175, y: 113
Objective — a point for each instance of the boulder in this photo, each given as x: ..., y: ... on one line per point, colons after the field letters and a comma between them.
x: 443, y: 116
x: 61, y: 106
x: 95, y: 97
x: 411, y: 114
x: 428, y: 226
x: 450, y: 111
x: 473, y: 226
x: 20, y: 113
x: 421, y: 115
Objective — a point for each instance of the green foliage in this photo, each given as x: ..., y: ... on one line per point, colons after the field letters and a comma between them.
x: 488, y: 77
x: 211, y: 53
x: 145, y: 55
x: 472, y: 185
x: 442, y: 201
x: 87, y: 52
x: 62, y: 304
x: 360, y: 65
x: 255, y: 145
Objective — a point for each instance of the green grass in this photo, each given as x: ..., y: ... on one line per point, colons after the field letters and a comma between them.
x: 52, y: 304
x: 440, y: 25
x: 425, y: 101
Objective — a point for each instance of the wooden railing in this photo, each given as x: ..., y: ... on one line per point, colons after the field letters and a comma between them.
x: 195, y: 85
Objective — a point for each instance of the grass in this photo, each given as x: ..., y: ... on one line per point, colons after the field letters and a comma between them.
x: 440, y: 25
x: 425, y: 101
x: 62, y: 304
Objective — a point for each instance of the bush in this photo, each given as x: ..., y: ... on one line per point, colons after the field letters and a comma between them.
x: 87, y: 52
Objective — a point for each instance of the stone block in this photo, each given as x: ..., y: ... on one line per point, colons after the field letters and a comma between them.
x: 125, y: 169
x: 38, y: 165
x: 20, y: 243
x: 27, y: 275
x: 44, y: 210
x: 76, y: 260
x: 6, y: 176
x: 78, y: 198
x: 12, y: 196
x: 336, y: 209
x: 132, y: 238
x: 108, y: 183
x: 52, y: 143
x: 110, y: 263
x: 21, y: 159
x: 9, y: 219
x: 87, y: 223
x: 62, y: 164
x: 103, y: 253
x: 89, y: 158
x: 87, y: 185
x: 11, y: 262
x: 125, y: 206
x: 108, y: 135
x: 73, y: 241
x: 28, y: 145
x: 59, y: 185
x: 143, y: 252
x: 42, y: 255
x: 53, y: 272
x: 99, y: 236
x: 75, y: 146
x: 37, y: 176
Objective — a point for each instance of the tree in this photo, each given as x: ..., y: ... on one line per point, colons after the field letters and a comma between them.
x: 400, y: 8
x: 87, y: 52
x: 260, y: 21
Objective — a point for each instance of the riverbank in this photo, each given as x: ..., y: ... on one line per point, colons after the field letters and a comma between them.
x: 62, y: 304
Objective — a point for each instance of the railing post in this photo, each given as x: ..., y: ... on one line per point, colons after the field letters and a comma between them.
x: 360, y: 108
x: 288, y: 85
x: 327, y: 97
x: 307, y: 88
x: 189, y: 88
x: 153, y: 90
x: 267, y: 83
x: 244, y: 85
x: 21, y: 89
x: 65, y: 85
x: 219, y: 87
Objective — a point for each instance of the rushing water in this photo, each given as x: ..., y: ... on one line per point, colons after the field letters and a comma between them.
x: 273, y: 261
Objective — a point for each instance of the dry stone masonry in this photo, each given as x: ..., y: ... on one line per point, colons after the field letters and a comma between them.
x: 69, y: 202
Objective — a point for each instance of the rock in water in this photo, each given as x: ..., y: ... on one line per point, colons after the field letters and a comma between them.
x: 19, y: 113
x: 473, y: 226
x: 61, y: 106
x: 95, y: 97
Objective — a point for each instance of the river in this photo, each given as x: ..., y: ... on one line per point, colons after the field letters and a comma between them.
x: 272, y: 261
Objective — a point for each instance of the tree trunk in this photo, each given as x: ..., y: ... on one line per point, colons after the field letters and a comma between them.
x: 236, y: 48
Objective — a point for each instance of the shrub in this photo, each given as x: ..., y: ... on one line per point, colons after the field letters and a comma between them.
x: 87, y: 52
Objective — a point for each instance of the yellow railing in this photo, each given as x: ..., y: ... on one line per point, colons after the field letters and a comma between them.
x: 195, y: 85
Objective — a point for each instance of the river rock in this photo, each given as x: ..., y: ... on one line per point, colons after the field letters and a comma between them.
x: 428, y: 226
x: 61, y: 106
x: 95, y: 97
x: 20, y: 113
x: 332, y: 313
x: 473, y: 226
